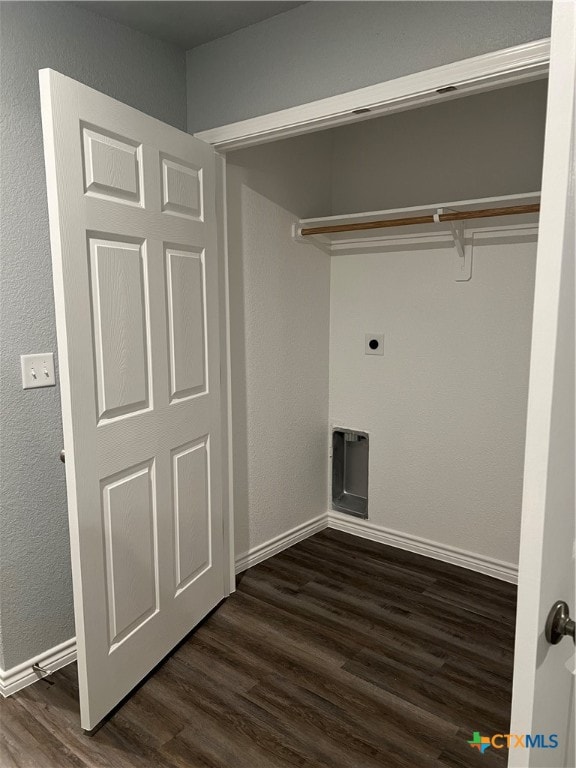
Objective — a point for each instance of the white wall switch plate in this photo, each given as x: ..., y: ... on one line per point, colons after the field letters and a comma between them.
x: 37, y: 370
x: 374, y: 344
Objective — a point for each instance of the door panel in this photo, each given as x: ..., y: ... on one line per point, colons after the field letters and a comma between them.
x: 191, y: 473
x: 112, y: 166
x: 186, y: 290
x: 182, y: 191
x: 133, y: 230
x: 130, y: 551
x: 119, y: 314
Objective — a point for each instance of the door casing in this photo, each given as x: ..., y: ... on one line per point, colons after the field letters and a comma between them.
x: 479, y: 74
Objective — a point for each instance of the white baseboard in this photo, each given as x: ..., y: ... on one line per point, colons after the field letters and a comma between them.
x: 465, y: 559
x: 19, y: 677
x: 278, y: 543
x: 498, y: 569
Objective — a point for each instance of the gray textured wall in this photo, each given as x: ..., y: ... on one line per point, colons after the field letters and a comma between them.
x: 35, y: 581
x: 324, y: 48
x: 479, y: 146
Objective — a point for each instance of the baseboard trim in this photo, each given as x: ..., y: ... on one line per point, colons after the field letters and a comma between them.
x: 16, y: 678
x: 278, y: 543
x: 498, y: 569
x: 472, y: 561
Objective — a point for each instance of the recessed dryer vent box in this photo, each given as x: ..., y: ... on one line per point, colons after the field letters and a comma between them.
x: 350, y: 472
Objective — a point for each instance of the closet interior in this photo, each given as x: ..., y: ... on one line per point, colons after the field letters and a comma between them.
x: 348, y: 317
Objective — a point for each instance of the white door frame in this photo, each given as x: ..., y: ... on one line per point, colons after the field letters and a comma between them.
x: 509, y: 66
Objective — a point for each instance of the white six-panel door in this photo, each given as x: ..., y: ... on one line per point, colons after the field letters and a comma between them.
x: 133, y: 231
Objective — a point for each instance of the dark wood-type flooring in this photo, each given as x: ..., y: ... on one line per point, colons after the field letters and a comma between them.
x: 336, y: 653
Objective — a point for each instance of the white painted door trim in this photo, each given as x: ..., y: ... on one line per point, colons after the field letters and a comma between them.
x: 225, y: 377
x: 489, y: 71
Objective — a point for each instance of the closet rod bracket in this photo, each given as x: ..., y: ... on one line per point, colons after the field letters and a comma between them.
x: 320, y: 242
x: 463, y: 269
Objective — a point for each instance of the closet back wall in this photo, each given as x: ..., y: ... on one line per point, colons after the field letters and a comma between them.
x: 446, y: 405
x: 478, y: 146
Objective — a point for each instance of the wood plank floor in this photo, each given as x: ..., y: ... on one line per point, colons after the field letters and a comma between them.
x: 336, y: 653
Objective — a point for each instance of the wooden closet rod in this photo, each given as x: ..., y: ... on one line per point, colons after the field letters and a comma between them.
x: 512, y: 210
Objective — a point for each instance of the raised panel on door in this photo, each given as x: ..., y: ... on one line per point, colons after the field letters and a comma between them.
x: 182, y: 188
x: 191, y: 473
x: 186, y: 322
x: 133, y: 225
x: 112, y: 165
x: 128, y: 506
x: 120, y: 317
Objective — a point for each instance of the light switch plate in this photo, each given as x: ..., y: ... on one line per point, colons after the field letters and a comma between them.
x: 374, y: 344
x: 37, y: 370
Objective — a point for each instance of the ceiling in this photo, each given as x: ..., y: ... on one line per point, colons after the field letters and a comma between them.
x: 187, y: 24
